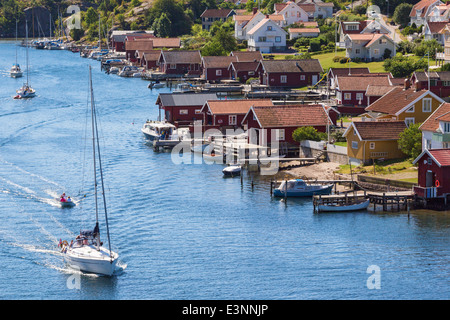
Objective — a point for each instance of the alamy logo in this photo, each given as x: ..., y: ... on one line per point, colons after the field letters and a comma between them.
x: 74, y: 22
x: 74, y: 280
x: 374, y: 280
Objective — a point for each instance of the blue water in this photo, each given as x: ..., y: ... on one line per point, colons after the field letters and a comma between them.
x: 182, y: 231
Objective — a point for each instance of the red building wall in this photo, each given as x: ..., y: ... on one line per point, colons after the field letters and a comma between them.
x: 210, y: 74
x: 442, y: 174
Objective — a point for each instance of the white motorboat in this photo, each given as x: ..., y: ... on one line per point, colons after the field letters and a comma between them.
x: 355, y: 206
x: 114, y: 70
x: 87, y: 253
x: 128, y: 71
x: 26, y: 91
x: 300, y: 188
x: 156, y: 85
x: 232, y: 170
x: 158, y: 130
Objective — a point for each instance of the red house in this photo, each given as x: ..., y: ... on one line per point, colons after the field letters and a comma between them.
x: 439, y: 82
x: 433, y: 174
x: 150, y: 59
x: 182, y: 109
x: 242, y: 70
x: 180, y: 62
x: 282, y: 120
x: 289, y: 73
x: 228, y: 114
x: 247, y: 56
x: 216, y: 68
x: 137, y: 45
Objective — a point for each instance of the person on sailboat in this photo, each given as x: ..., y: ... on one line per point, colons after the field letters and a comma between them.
x: 68, y: 199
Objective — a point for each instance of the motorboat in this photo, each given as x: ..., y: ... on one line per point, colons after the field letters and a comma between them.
x: 16, y: 72
x: 232, y: 170
x: 66, y: 203
x: 128, y: 71
x: 158, y: 130
x: 300, y: 188
x: 114, y: 70
x: 156, y: 85
x: 87, y: 252
x: 352, y: 206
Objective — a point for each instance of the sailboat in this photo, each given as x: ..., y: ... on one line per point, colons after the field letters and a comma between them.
x: 86, y: 252
x: 16, y: 72
x: 26, y: 91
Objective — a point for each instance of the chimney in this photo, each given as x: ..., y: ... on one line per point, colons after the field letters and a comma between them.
x: 255, y: 10
x: 418, y: 86
x: 407, y: 84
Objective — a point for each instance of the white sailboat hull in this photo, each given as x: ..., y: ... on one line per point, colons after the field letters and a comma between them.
x: 351, y: 207
x: 89, y: 259
x: 16, y: 74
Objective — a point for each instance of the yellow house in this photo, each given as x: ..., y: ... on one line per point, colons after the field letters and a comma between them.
x: 373, y: 140
x: 406, y: 104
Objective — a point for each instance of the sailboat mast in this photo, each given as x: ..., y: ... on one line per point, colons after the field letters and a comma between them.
x: 93, y: 145
x: 26, y: 36
x: 16, y: 42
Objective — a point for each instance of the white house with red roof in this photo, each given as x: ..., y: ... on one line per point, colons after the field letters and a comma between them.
x: 369, y: 46
x: 421, y: 11
x: 436, y: 129
x: 291, y: 12
x: 266, y: 37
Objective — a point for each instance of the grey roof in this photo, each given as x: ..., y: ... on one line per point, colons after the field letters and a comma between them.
x: 185, y: 99
x: 182, y: 57
x: 286, y: 66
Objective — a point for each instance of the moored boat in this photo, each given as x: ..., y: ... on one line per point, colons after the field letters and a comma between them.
x: 233, y: 170
x: 300, y: 188
x: 355, y: 206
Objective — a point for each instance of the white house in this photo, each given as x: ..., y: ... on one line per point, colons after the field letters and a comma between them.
x: 368, y: 47
x: 435, y: 30
x: 303, y: 32
x: 321, y: 9
x: 421, y: 11
x: 360, y: 27
x: 267, y: 36
x: 436, y: 129
x: 291, y: 12
x: 245, y: 23
x: 439, y: 13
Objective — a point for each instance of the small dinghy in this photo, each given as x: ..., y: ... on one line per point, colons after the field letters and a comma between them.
x: 356, y: 206
x: 300, y: 188
x: 232, y: 171
x: 66, y: 204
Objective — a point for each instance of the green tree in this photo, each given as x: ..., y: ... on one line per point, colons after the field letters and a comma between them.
x: 180, y: 22
x: 401, y: 66
x: 401, y: 14
x: 307, y: 133
x: 91, y: 16
x: 163, y: 26
x: 410, y: 141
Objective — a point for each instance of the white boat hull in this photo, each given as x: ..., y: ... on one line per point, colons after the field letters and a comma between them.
x: 88, y: 259
x: 351, y: 207
x: 16, y: 74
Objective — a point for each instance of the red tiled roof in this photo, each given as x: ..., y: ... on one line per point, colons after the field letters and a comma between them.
x: 304, y: 30
x: 245, y: 66
x: 424, y: 4
x: 445, y: 117
x: 291, y: 116
x: 360, y: 82
x: 166, y: 42
x: 143, y: 44
x: 432, y: 123
x: 247, y: 56
x: 215, y: 13
x: 345, y: 71
x: 436, y: 27
x: 395, y: 100
x: 442, y: 156
x: 379, y: 130
x: 235, y: 106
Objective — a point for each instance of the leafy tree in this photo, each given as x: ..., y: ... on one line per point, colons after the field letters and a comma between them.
x: 307, y: 133
x: 181, y: 24
x: 428, y: 46
x: 401, y: 66
x: 401, y: 14
x: 91, y: 16
x: 162, y: 26
x: 410, y: 141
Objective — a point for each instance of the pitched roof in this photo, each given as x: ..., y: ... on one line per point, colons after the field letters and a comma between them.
x: 377, y: 91
x: 151, y: 55
x: 308, y: 7
x: 345, y: 71
x: 142, y: 45
x: 371, y: 38
x: 175, y: 57
x: 262, y: 23
x: 440, y: 156
x: 290, y: 66
x: 378, y: 130
x: 436, y: 26
x: 247, y: 56
x: 166, y: 42
x: 432, y: 123
x: 244, y: 66
x: 216, y: 13
x: 445, y: 117
x: 290, y: 116
x: 304, y: 30
x: 360, y: 82
x: 240, y: 106
x: 398, y: 99
x: 184, y: 99
x: 424, y: 4
x: 361, y: 24
x: 218, y: 61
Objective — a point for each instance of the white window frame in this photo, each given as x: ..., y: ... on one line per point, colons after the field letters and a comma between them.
x: 446, y: 127
x: 198, y: 111
x: 280, y: 134
x: 411, y: 110
x: 372, y: 145
x: 359, y: 96
x: 347, y: 96
x: 409, y: 121
x: 283, y: 78
x: 218, y: 72
x: 184, y: 111
x: 355, y: 144
x: 429, y: 100
x: 172, y: 66
x: 232, y: 120
x: 277, y: 39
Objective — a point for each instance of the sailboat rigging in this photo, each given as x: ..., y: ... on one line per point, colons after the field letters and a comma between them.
x: 16, y: 72
x: 26, y: 91
x: 87, y: 253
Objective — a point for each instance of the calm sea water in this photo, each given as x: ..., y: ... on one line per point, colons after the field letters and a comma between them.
x: 182, y: 231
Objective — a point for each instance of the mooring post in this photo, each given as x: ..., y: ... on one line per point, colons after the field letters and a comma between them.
x: 285, y: 191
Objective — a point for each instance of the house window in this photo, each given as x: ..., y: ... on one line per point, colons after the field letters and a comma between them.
x: 433, y: 82
x: 372, y: 145
x: 382, y: 41
x: 410, y: 110
x: 283, y: 79
x: 409, y: 121
x: 302, y: 77
x: 347, y: 96
x: 446, y: 83
x: 428, y: 144
x: 251, y: 73
x: 232, y: 120
x: 429, y: 162
x: 280, y: 134
x: 446, y: 127
x: 184, y: 111
x: 262, y: 39
x: 218, y: 72
x: 359, y: 96
x: 198, y: 111
x: 277, y: 39
x: 269, y: 28
x: 426, y: 105
x: 376, y: 51
x: 357, y: 51
x: 355, y: 144
x: 172, y: 66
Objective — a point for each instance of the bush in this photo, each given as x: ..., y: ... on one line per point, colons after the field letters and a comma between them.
x: 337, y: 58
x: 308, y: 133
